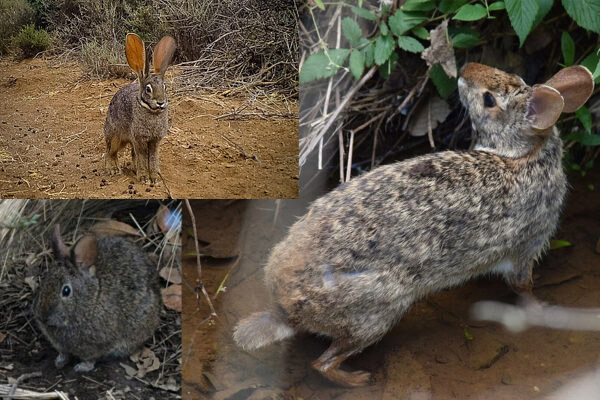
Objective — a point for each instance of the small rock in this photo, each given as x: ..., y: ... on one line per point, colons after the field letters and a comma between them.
x: 506, y: 379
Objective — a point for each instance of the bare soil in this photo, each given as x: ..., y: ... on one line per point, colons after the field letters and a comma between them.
x: 52, y: 144
x: 435, y: 352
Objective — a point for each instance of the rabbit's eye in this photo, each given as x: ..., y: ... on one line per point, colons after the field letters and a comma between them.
x: 66, y: 291
x: 148, y: 89
x: 488, y: 100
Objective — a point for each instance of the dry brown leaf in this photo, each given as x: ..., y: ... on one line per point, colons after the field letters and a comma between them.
x: 172, y: 297
x: 441, y: 51
x: 114, y: 228
x: 129, y: 370
x: 145, y: 361
x: 162, y: 218
x: 2, y: 337
x: 32, y: 282
x: 171, y: 275
x: 436, y: 108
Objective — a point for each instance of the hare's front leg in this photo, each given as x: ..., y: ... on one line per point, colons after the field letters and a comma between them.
x: 153, y: 160
x: 141, y: 161
x: 111, y: 158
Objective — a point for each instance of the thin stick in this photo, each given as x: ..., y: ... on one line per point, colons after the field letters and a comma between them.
x: 166, y: 186
x: 20, y: 379
x: 349, y: 168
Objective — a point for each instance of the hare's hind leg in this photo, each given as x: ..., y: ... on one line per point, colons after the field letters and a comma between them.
x: 329, y: 362
x: 111, y: 158
x: 153, y: 165
x: 140, y: 149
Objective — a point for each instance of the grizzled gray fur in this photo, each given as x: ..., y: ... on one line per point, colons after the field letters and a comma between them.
x: 365, y: 252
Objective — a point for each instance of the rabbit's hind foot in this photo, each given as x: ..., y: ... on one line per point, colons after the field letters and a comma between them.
x: 61, y: 360
x: 328, y: 365
x: 112, y: 166
x: 84, y: 366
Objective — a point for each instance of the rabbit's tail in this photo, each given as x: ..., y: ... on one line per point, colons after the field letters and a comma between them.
x: 261, y: 329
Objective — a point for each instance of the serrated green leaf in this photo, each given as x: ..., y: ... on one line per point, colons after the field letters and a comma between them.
x: 410, y: 44
x: 583, y: 138
x: 357, y: 64
x: 499, y: 5
x: 585, y: 117
x: 443, y: 83
x: 351, y: 31
x: 592, y: 62
x: 361, y: 12
x: 386, y: 69
x: 585, y: 12
x: 545, y: 6
x: 369, y: 55
x: 403, y: 21
x: 320, y: 4
x: 464, y: 40
x: 470, y: 12
x: 384, y: 46
x: 421, y: 33
x: 383, y: 29
x: 418, y: 5
x: 567, y: 47
x: 319, y: 66
x: 521, y: 14
x: 558, y: 244
x: 450, y: 6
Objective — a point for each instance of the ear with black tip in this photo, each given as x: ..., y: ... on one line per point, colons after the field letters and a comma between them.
x: 85, y: 254
x: 575, y: 84
x: 60, y: 250
x: 544, y: 107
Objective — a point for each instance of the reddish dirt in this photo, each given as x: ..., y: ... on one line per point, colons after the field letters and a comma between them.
x: 52, y: 144
x: 436, y: 351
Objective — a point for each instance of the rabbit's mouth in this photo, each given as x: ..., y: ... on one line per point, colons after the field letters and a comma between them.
x: 157, y: 109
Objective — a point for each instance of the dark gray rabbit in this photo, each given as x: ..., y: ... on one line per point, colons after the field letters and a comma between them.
x: 362, y: 254
x: 100, y: 299
x: 138, y: 113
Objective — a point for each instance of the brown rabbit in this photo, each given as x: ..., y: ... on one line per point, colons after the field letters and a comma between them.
x: 138, y: 113
x: 101, y: 298
x: 362, y: 254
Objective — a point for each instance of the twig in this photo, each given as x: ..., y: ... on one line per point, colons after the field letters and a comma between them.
x: 20, y: 379
x: 166, y: 186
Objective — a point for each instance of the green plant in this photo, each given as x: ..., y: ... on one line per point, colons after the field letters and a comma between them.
x: 13, y: 15
x: 31, y: 41
x: 103, y: 60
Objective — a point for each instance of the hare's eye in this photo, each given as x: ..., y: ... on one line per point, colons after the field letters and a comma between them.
x: 488, y: 100
x: 148, y: 89
x: 66, y: 290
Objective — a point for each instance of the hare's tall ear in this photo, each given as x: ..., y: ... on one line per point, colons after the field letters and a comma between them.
x: 575, y: 85
x: 163, y: 54
x: 136, y: 54
x: 544, y: 106
x: 58, y: 246
x: 85, y: 254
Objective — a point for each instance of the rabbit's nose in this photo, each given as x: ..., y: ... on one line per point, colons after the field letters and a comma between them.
x: 161, y: 104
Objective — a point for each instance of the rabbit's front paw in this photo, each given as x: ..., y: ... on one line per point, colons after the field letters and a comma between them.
x: 61, y: 360
x: 143, y: 177
x: 84, y: 366
x: 114, y: 171
x: 154, y: 176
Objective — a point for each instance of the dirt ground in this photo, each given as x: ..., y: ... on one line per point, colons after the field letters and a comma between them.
x: 435, y: 352
x: 52, y: 144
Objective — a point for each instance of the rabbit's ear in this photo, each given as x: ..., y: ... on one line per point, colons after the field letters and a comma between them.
x: 85, y: 253
x: 544, y: 107
x: 136, y: 54
x: 58, y: 246
x: 575, y: 84
x: 163, y: 54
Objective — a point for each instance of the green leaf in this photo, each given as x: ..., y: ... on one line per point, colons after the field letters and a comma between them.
x: 383, y: 29
x: 361, y: 12
x: 357, y: 64
x: 402, y: 21
x: 545, y: 6
x: 521, y: 14
x: 470, y: 12
x: 568, y: 48
x: 443, y: 83
x: 386, y: 69
x: 421, y: 33
x: 585, y: 117
x: 320, y: 4
x: 499, y: 5
x: 592, y: 62
x: 585, y: 139
x: 410, y: 44
x: 351, y: 31
x: 557, y: 244
x: 418, y: 5
x: 464, y: 40
x: 369, y: 55
x: 319, y: 66
x: 384, y: 46
x: 468, y: 334
x: 450, y: 6
x: 585, y: 12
